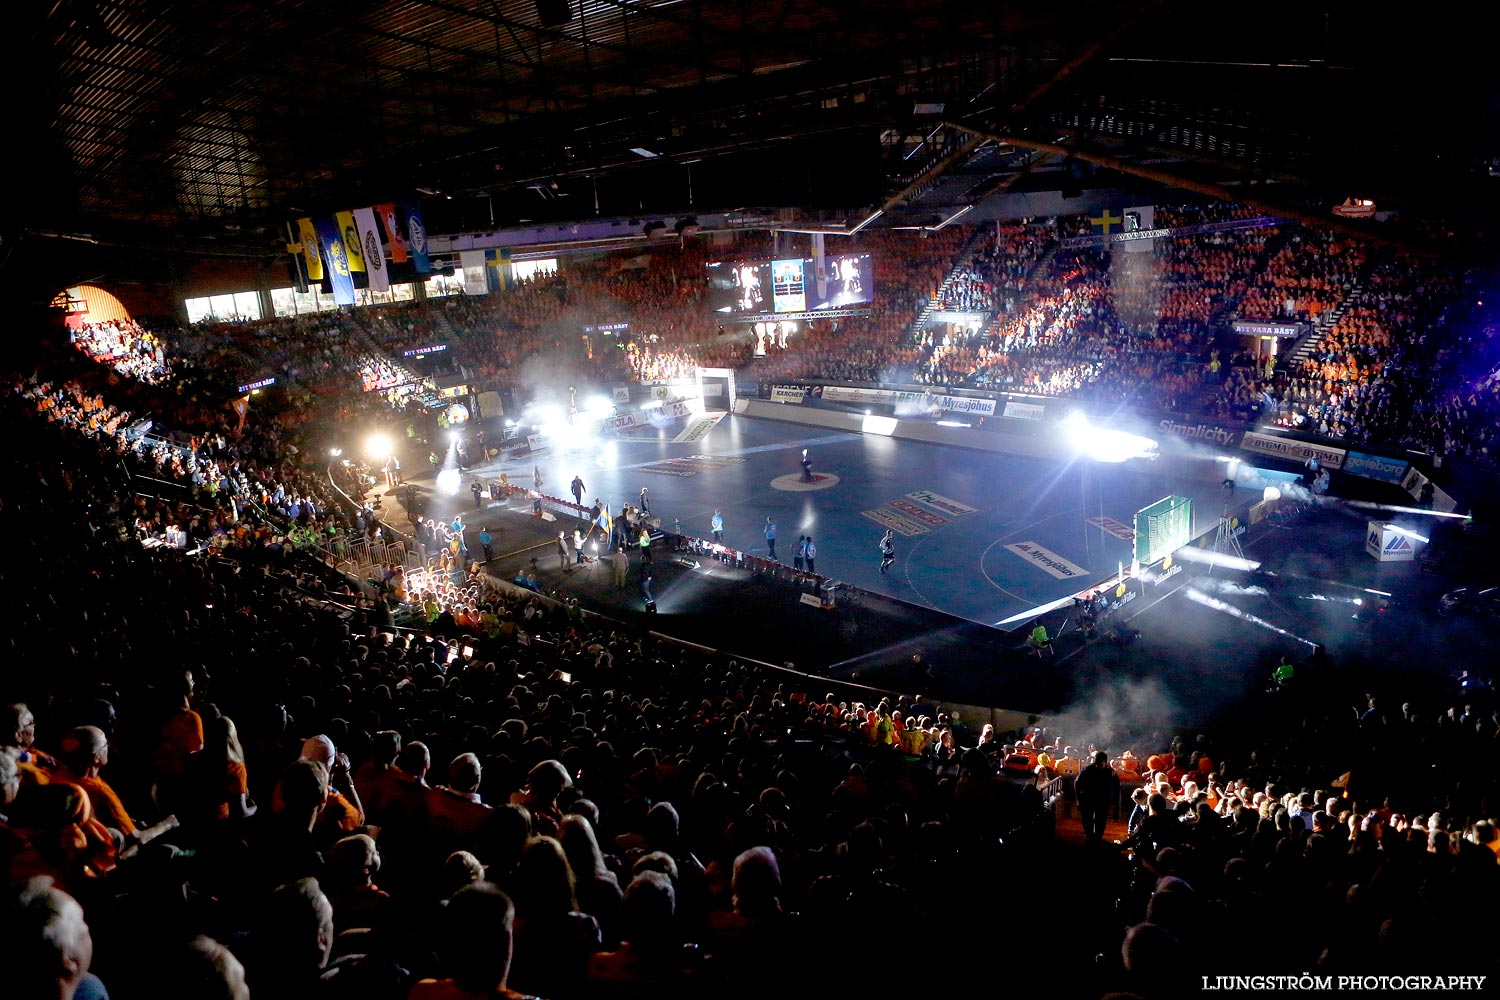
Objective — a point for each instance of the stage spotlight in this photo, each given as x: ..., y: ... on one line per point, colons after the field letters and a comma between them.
x: 335, y: 452
x: 1199, y: 597
x: 448, y: 482
x: 378, y: 446
x: 1105, y: 445
x: 1209, y: 557
x: 1367, y: 505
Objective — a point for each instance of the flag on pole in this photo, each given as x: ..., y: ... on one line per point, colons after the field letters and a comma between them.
x: 241, y: 408
x: 296, y: 263
x: 352, y: 243
x: 394, y: 230
x: 502, y: 268
x: 310, y: 249
x: 371, y: 250
x: 331, y: 242
x: 605, y: 522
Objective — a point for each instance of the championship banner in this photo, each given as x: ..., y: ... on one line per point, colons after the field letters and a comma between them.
x: 310, y: 249
x: 331, y: 243
x: 352, y: 242
x: 394, y: 231
x: 416, y: 238
x: 371, y: 252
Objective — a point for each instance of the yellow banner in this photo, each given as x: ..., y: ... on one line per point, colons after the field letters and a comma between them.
x: 310, y: 249
x: 351, y: 240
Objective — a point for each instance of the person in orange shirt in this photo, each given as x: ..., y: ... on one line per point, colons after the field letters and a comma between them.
x: 85, y: 751
x: 181, y: 734
x: 342, y: 813
x: 456, y: 816
x: 219, y: 780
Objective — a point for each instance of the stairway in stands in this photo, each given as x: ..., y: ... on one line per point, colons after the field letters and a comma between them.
x: 961, y: 261
x: 369, y: 346
x: 1309, y: 342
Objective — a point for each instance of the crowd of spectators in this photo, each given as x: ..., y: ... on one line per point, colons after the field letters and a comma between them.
x: 218, y: 784
x: 127, y: 347
x: 1311, y: 273
x: 1378, y: 373
x: 1139, y: 328
x: 232, y: 479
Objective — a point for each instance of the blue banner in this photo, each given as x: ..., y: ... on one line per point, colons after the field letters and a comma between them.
x: 416, y: 238
x: 336, y: 257
x: 1387, y: 470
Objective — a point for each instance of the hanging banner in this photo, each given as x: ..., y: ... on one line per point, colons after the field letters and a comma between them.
x: 352, y: 242
x: 331, y: 243
x: 472, y: 264
x: 395, y: 231
x: 310, y: 249
x: 371, y: 252
x: 416, y: 238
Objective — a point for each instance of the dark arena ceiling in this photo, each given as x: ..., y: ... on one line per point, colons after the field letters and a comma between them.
x: 202, y: 126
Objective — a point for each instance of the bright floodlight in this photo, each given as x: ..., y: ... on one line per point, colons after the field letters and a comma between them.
x: 1105, y: 445
x: 1270, y: 493
x: 335, y: 452
x: 378, y: 446
x: 598, y: 407
x: 448, y: 481
x: 1210, y: 557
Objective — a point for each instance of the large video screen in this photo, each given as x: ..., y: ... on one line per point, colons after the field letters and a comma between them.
x: 793, y: 285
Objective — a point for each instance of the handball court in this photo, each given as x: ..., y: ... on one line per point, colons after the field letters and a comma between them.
x: 982, y: 540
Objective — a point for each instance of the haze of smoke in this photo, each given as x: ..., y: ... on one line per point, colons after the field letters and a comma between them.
x: 1117, y: 714
x: 1136, y: 289
x: 1230, y: 588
